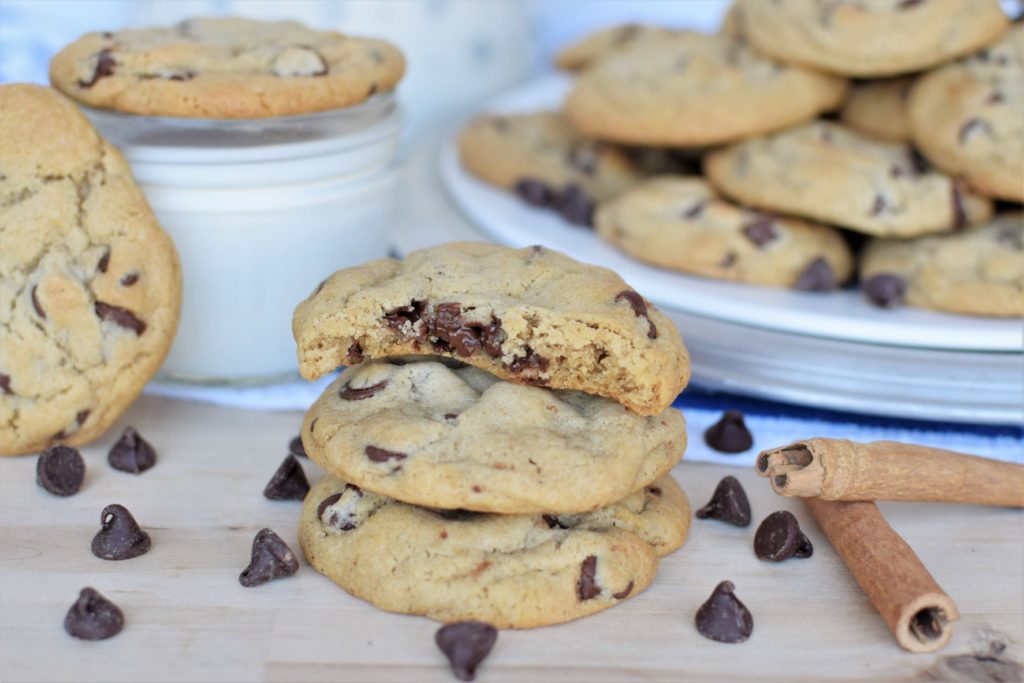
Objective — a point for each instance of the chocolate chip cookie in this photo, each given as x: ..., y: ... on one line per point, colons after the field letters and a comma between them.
x: 530, y: 316
x: 870, y: 37
x: 693, y: 89
x: 89, y: 285
x: 512, y: 571
x: 228, y: 68
x: 978, y: 272
x: 830, y: 173
x: 539, y: 156
x: 458, y: 437
x: 597, y: 45
x: 681, y: 224
x: 879, y: 109
x: 968, y: 117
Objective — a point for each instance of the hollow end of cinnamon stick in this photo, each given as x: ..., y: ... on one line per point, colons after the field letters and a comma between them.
x: 793, y: 470
x: 926, y: 624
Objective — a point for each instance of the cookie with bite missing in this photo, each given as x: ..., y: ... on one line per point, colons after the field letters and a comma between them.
x: 681, y: 223
x: 512, y: 571
x: 90, y: 287
x: 226, y: 68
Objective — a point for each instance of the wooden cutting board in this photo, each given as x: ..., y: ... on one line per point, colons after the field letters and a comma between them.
x: 188, y: 619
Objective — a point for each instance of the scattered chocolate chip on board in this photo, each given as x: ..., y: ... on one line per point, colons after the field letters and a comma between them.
x: 132, y: 453
x: 288, y: 483
x: 466, y: 644
x: 93, y: 617
x: 728, y: 503
x: 120, y: 537
x: 723, y: 617
x: 779, y: 538
x: 271, y: 559
x: 60, y: 470
x: 729, y: 434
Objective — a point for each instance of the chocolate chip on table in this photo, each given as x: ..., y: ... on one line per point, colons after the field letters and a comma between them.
x: 120, y: 316
x: 288, y: 483
x: 729, y: 434
x: 728, y: 503
x: 132, y: 453
x: 295, y: 447
x: 466, y: 644
x: 60, y: 470
x: 271, y: 559
x: 119, y: 537
x: 885, y: 290
x: 779, y: 538
x: 639, y: 307
x: 817, y: 277
x: 586, y: 585
x: 575, y: 205
x: 105, y: 64
x: 350, y: 393
x: 723, y: 617
x: 93, y: 617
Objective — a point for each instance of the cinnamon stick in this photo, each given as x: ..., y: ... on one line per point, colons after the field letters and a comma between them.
x: 905, y: 595
x: 837, y: 469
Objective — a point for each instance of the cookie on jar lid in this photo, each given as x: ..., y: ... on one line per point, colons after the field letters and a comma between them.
x: 512, y: 571
x: 90, y: 286
x: 228, y: 68
x: 531, y: 316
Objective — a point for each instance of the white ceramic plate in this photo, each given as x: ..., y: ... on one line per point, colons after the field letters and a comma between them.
x: 843, y: 315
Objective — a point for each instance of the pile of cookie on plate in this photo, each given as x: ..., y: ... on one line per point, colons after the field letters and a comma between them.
x: 499, y: 448
x: 808, y: 144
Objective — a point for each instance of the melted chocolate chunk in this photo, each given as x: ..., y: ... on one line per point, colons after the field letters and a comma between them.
x: 624, y: 592
x: 119, y: 537
x: 762, y: 231
x: 586, y: 586
x: 131, y: 453
x: 382, y: 455
x: 354, y: 355
x: 104, y: 67
x: 723, y: 617
x: 403, y: 316
x: 35, y: 303
x: 885, y: 290
x: 729, y: 434
x: 129, y: 279
x: 728, y: 504
x: 120, y: 316
x: 779, y: 538
x: 104, y: 261
x: 5, y: 384
x: 455, y: 335
x: 535, y: 192
x: 529, y: 363
x: 575, y: 205
x: 295, y: 446
x: 271, y: 559
x: 817, y: 277
x: 335, y: 519
x: 288, y: 483
x: 60, y: 470
x: 93, y: 617
x: 466, y: 644
x: 326, y: 503
x: 351, y: 394
x: 639, y: 306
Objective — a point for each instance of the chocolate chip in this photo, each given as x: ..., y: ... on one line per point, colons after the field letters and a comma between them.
x: 35, y: 303
x: 93, y: 617
x: 959, y: 214
x: 817, y: 277
x: 723, y: 617
x: 878, y: 206
x: 695, y: 210
x: 60, y: 470
x: 351, y: 394
x: 779, y: 538
x: 104, y: 67
x: 535, y: 192
x: 885, y: 290
x: 529, y: 363
x: 129, y: 279
x: 288, y: 483
x: 271, y: 559
x: 728, y: 503
x: 466, y: 644
x: 972, y: 125
x: 381, y: 455
x: 295, y: 446
x: 337, y: 520
x: 404, y: 317
x: 624, y: 592
x: 120, y: 316
x: 354, y: 355
x: 586, y: 586
x: 104, y: 261
x: 575, y: 205
x: 119, y: 537
x: 5, y: 384
x: 762, y: 231
x: 639, y: 307
x: 131, y: 453
x: 729, y: 434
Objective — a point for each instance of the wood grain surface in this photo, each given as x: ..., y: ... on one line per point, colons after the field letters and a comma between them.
x: 188, y: 619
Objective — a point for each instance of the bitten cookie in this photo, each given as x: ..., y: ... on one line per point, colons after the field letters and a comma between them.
x: 542, y: 152
x: 870, y: 37
x: 693, y: 89
x: 89, y: 285
x: 531, y: 316
x: 512, y: 571
x: 681, y: 224
x: 968, y: 117
x: 979, y: 272
x: 830, y: 173
x: 879, y: 109
x: 597, y: 45
x: 457, y: 437
x: 227, y: 68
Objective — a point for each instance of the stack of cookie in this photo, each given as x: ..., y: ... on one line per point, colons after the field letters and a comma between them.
x: 788, y: 199
x: 499, y: 447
